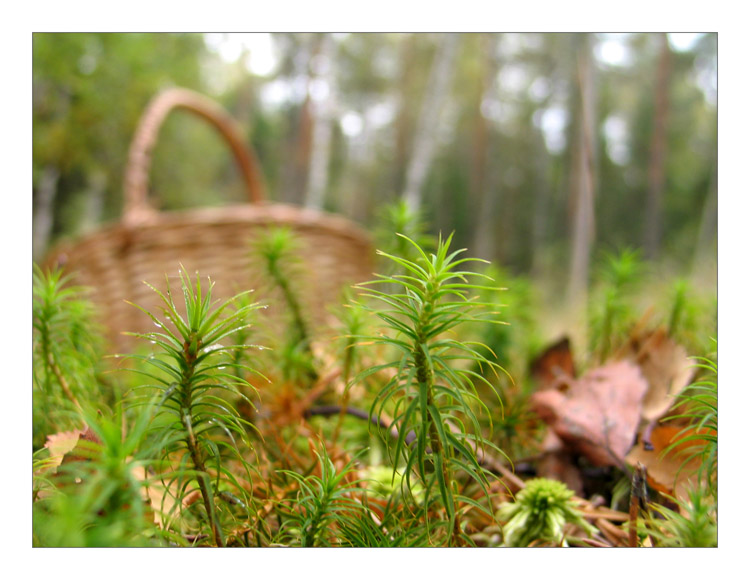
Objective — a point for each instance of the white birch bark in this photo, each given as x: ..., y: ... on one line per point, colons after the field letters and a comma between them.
x: 583, y: 224
x: 438, y: 90
x: 323, y: 111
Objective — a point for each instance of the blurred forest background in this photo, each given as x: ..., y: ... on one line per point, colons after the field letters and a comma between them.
x: 540, y: 150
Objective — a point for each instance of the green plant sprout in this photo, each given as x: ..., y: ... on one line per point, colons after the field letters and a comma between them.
x: 611, y: 312
x: 175, y: 462
x: 399, y: 217
x: 192, y: 420
x: 322, y: 504
x: 693, y: 526
x: 278, y: 249
x: 67, y: 353
x: 700, y: 405
x: 98, y: 498
x: 432, y: 389
x: 539, y: 512
x: 353, y: 321
x: 516, y: 340
x: 691, y: 317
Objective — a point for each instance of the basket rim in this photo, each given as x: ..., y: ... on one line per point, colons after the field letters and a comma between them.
x: 263, y: 214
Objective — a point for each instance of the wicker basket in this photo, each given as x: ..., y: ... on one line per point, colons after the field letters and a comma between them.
x: 216, y: 242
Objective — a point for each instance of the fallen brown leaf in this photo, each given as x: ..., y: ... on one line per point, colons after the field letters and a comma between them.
x: 672, y: 473
x: 553, y: 365
x: 665, y: 366
x: 59, y: 444
x: 600, y: 413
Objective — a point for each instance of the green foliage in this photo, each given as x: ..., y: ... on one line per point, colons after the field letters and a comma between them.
x: 323, y: 505
x: 611, y: 308
x: 353, y: 320
x: 430, y: 392
x: 693, y: 526
x: 539, y: 513
x: 278, y: 249
x: 194, y: 423
x: 398, y: 217
x: 384, y: 483
x: 679, y: 311
x: 89, y: 91
x: 699, y: 404
x: 87, y: 98
x: 691, y: 316
x: 67, y: 351
x: 97, y: 499
x: 517, y: 339
x: 514, y: 342
x: 396, y: 526
x: 694, y: 523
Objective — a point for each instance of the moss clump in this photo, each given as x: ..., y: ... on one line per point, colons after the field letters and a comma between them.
x: 540, y: 511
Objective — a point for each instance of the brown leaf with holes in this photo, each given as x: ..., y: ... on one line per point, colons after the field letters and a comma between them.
x: 674, y: 472
x: 599, y: 414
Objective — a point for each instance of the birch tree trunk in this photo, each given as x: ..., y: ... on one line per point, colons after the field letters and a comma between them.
x: 657, y: 160
x: 582, y: 193
x: 323, y: 111
x: 438, y: 89
x: 43, y: 211
x: 404, y: 118
x: 95, y: 193
x: 296, y: 171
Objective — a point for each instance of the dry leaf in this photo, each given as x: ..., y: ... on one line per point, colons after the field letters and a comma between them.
x: 59, y: 444
x: 554, y: 365
x: 159, y: 498
x: 600, y: 413
x: 668, y: 473
x: 666, y: 367
x: 87, y: 446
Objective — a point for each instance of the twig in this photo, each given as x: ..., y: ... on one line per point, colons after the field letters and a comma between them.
x: 590, y: 542
x: 638, y: 498
x: 613, y: 534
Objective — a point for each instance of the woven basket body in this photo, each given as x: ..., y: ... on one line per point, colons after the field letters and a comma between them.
x: 148, y: 246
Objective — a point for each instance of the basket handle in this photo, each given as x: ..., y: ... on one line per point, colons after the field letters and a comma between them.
x: 139, y: 157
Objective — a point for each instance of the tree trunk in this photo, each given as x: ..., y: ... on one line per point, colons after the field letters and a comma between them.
x: 43, y: 210
x: 323, y: 112
x: 657, y: 160
x: 301, y: 159
x: 438, y: 90
x: 582, y: 193
x: 542, y: 203
x: 484, y: 239
x: 706, y: 245
x: 294, y: 184
x: 404, y: 119
x: 95, y: 194
x: 355, y: 197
